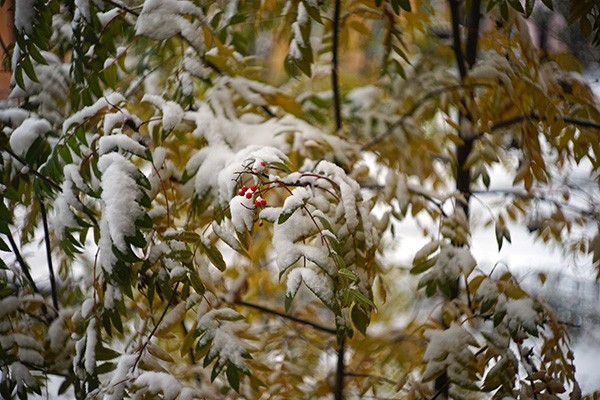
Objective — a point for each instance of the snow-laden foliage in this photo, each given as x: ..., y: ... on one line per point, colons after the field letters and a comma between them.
x: 215, y: 188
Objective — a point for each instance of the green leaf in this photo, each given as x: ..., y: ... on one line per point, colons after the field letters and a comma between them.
x: 219, y: 365
x: 183, y: 236
x: 233, y: 377
x: 215, y: 256
x: 29, y: 70
x: 405, y: 5
x: 360, y: 319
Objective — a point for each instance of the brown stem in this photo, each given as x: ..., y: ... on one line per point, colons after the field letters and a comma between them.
x: 162, y: 316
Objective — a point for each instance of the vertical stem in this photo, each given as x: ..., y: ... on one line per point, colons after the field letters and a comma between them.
x: 334, y: 69
x: 456, y: 40
x: 22, y: 263
x: 339, y: 373
x: 49, y: 255
x: 473, y: 33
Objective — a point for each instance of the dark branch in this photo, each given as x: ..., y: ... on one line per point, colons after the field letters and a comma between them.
x: 334, y: 68
x: 536, y: 197
x: 22, y: 263
x: 533, y: 116
x: 456, y: 40
x: 53, y: 287
x: 339, y: 372
x: 473, y: 33
x: 286, y: 316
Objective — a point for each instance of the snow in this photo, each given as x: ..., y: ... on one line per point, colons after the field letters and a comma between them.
x: 84, y: 8
x: 90, y: 347
x: 21, y: 375
x: 159, y: 382
x: 14, y: 116
x: 242, y: 213
x: 27, y: 341
x: 8, y: 305
x: 221, y: 326
x: 118, y: 380
x: 120, y: 193
x: 349, y: 202
x: 24, y: 16
x: 520, y: 313
x: 172, y: 112
x: 121, y: 143
x: 163, y: 19
x: 25, y: 135
x: 58, y: 333
x: 320, y: 284
x: 78, y: 118
x: 30, y: 356
x: 449, y: 350
x: 106, y: 17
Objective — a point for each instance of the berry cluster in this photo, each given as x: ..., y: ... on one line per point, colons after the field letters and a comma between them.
x: 248, y: 192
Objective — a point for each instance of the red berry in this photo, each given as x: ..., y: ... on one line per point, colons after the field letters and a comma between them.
x: 244, y: 188
x: 241, y: 192
x: 264, y: 164
x: 253, y: 188
x: 248, y: 195
x: 257, y: 203
x: 263, y: 202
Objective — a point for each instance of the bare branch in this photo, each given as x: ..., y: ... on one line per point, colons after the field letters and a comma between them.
x: 533, y: 116
x: 22, y: 263
x: 53, y: 287
x: 286, y: 316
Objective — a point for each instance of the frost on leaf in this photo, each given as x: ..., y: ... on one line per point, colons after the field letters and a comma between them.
x: 449, y: 351
x: 520, y: 316
x: 163, y: 19
x: 220, y: 340
x: 443, y: 269
x: 121, y: 209
x: 155, y: 383
x: 22, y: 138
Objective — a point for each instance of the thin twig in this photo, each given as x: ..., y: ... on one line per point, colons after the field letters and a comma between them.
x: 372, y: 376
x: 415, y: 107
x: 122, y: 7
x: 162, y: 316
x: 286, y: 316
x: 53, y: 287
x: 533, y: 116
